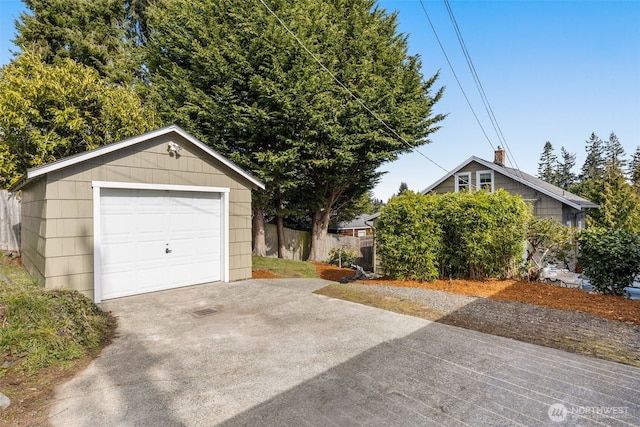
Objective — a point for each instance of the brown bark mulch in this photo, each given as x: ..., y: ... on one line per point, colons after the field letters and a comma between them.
x: 603, y: 326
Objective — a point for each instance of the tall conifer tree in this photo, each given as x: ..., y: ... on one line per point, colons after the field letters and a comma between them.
x: 565, y: 175
x: 235, y: 78
x: 548, y: 164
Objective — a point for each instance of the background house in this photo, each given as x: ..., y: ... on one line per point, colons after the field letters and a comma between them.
x: 157, y: 211
x: 358, y: 227
x: 547, y: 199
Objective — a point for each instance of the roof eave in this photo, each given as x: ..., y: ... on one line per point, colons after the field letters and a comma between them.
x: 451, y: 173
x: 106, y: 149
x: 503, y: 171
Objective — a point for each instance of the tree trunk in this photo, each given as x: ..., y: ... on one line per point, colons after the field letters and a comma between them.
x: 259, y: 242
x: 282, y: 244
x: 319, y: 227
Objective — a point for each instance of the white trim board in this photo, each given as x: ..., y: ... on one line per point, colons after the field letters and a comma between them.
x: 97, y: 228
x: 106, y: 149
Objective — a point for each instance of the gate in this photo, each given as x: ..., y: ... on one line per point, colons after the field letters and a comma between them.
x: 365, y: 258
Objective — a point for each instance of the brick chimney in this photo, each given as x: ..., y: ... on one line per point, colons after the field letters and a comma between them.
x: 498, y: 158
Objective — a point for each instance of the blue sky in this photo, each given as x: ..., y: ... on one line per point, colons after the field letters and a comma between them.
x: 552, y: 71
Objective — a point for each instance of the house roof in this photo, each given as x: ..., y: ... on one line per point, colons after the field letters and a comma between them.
x: 106, y: 149
x: 358, y: 222
x: 537, y: 184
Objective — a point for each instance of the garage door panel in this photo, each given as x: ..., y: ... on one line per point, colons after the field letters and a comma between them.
x: 139, y: 225
x: 151, y: 223
x: 118, y: 256
x: 150, y: 278
x: 120, y: 285
x: 117, y: 224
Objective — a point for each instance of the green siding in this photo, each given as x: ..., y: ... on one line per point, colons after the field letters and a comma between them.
x: 58, y: 210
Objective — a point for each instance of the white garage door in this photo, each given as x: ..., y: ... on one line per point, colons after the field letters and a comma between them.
x: 153, y: 240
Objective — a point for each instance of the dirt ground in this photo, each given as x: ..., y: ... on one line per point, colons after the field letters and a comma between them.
x: 262, y: 274
x: 31, y: 395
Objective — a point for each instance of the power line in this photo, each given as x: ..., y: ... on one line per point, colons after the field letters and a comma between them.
x: 435, y: 33
x: 353, y: 95
x: 483, y: 96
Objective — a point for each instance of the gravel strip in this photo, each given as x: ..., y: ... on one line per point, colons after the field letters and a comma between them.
x: 563, y: 329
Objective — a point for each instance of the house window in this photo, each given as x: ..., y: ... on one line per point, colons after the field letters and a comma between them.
x: 484, y: 179
x: 463, y: 181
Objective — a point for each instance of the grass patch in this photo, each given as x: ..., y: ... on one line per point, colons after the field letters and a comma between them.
x: 372, y: 299
x: 285, y: 267
x: 42, y: 328
x: 599, y: 349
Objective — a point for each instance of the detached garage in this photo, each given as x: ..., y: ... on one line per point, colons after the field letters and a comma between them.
x: 153, y: 212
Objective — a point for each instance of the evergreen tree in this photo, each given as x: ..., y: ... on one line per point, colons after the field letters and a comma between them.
x: 548, y: 164
x: 564, y: 173
x: 594, y: 165
x: 98, y: 34
x: 614, y: 154
x: 236, y: 79
x: 403, y: 188
x: 619, y: 203
x: 634, y: 168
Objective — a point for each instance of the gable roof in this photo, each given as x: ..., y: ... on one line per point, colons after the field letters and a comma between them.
x: 110, y: 148
x: 537, y: 184
x: 358, y: 222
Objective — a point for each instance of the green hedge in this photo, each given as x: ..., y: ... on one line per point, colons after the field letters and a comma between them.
x: 408, y: 240
x: 610, y: 258
x: 464, y: 235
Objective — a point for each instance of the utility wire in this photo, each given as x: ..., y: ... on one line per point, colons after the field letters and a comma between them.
x: 353, y: 95
x: 483, y: 96
x: 435, y: 33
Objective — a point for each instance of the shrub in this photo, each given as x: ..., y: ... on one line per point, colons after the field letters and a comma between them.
x: 474, y: 235
x: 342, y: 256
x: 610, y: 258
x: 548, y: 240
x: 483, y: 233
x: 408, y: 240
x: 42, y: 327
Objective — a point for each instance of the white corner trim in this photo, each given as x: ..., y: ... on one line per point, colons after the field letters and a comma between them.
x: 225, y: 237
x: 97, y: 248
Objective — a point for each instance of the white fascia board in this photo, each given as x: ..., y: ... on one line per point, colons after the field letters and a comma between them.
x: 106, y: 149
x: 493, y: 167
x: 523, y: 181
x: 217, y: 156
x: 450, y: 174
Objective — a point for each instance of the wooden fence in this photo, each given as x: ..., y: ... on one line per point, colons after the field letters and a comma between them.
x: 298, y: 245
x: 9, y: 221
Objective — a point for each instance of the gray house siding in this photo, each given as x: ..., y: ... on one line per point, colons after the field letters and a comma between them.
x: 33, y: 229
x: 58, y: 208
x: 543, y: 205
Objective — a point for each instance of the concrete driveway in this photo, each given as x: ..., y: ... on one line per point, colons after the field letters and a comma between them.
x: 270, y: 352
